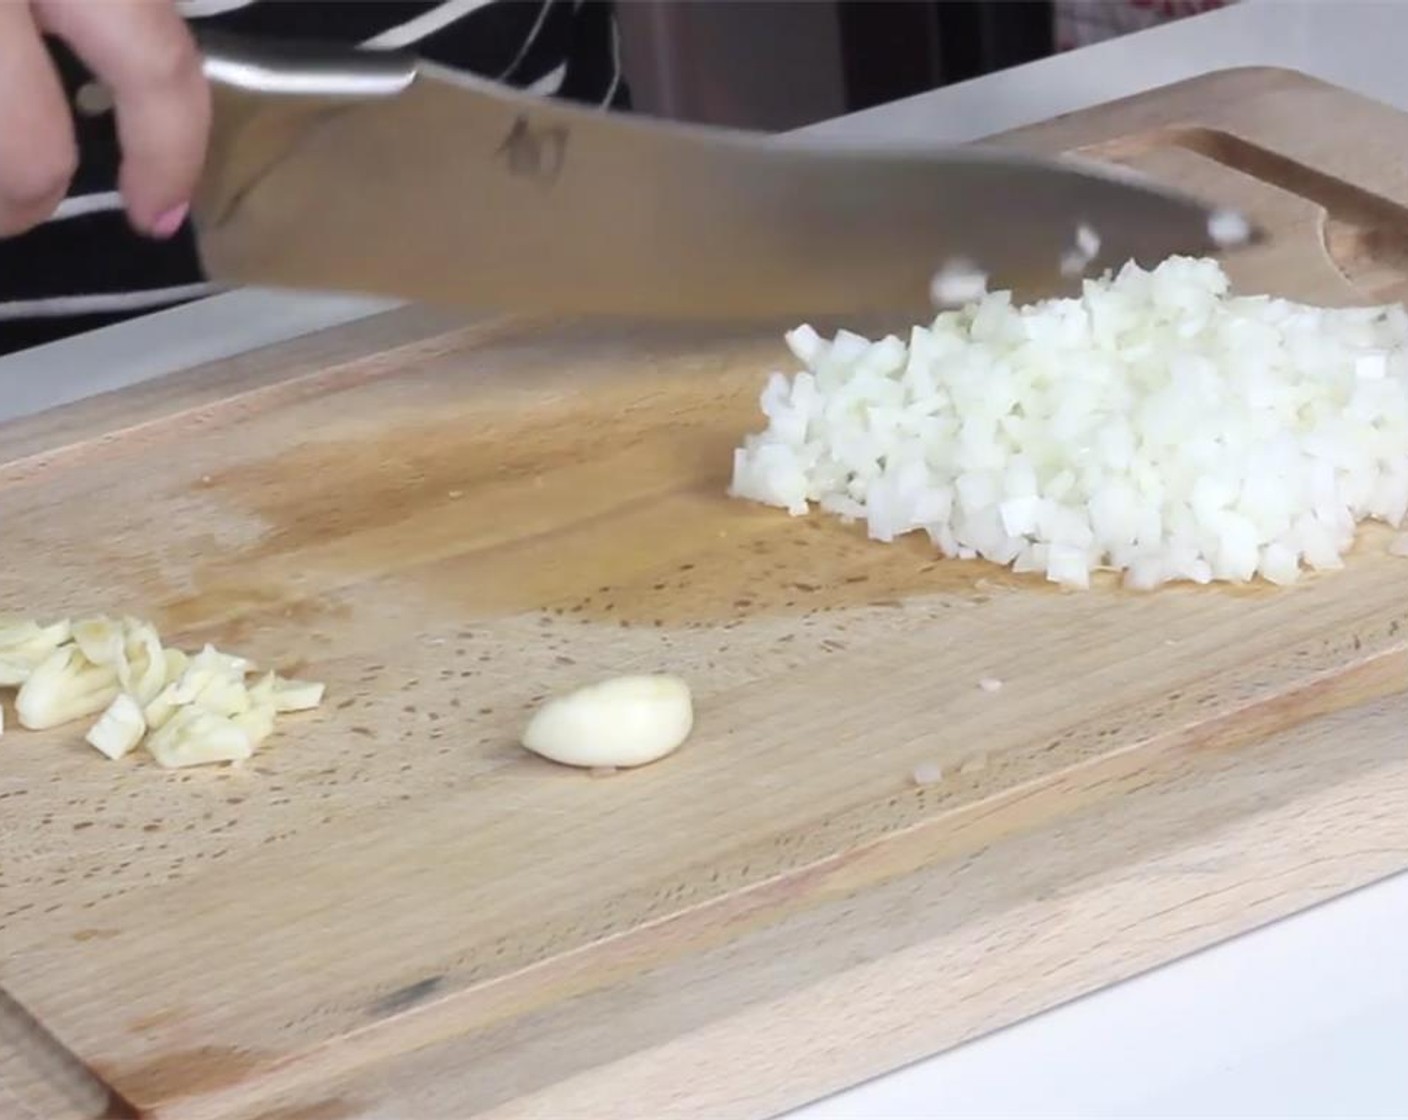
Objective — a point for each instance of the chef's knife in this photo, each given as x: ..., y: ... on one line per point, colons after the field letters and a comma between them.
x: 375, y: 173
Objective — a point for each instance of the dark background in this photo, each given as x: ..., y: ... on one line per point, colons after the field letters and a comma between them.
x: 894, y: 48
x: 781, y: 64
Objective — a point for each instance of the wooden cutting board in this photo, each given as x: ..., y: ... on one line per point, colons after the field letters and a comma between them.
x: 397, y: 912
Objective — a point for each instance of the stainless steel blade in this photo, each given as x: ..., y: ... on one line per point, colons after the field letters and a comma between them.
x: 377, y: 174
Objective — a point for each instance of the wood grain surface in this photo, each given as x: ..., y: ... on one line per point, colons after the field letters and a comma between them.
x: 396, y: 912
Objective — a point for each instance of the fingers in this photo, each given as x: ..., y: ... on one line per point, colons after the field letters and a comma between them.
x: 37, y: 151
x: 142, y: 51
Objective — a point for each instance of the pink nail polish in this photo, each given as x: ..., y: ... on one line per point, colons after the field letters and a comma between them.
x: 170, y: 221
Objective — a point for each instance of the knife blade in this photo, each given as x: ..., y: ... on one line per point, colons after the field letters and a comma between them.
x: 335, y: 169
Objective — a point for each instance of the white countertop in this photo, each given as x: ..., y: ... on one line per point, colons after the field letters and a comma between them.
x: 1305, y: 1018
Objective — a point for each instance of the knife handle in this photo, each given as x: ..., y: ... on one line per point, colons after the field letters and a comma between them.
x: 263, y: 66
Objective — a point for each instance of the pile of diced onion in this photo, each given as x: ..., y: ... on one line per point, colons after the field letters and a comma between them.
x: 1155, y: 426
x: 185, y: 710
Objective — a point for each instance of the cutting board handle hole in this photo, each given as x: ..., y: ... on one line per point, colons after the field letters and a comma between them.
x: 1364, y: 234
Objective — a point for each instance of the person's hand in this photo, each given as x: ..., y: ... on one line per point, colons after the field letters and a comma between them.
x: 142, y: 51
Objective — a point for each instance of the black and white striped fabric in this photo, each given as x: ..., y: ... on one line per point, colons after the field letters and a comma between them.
x: 86, y: 268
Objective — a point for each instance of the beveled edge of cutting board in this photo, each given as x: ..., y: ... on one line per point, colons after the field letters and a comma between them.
x: 314, y: 361
x: 1159, y: 105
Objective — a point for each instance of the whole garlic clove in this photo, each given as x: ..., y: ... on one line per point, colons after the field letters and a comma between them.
x: 622, y: 722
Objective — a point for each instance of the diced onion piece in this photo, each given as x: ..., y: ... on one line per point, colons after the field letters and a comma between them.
x: 1087, y: 242
x: 622, y: 722
x: 1228, y: 229
x: 1068, y: 566
x: 1279, y: 564
x: 927, y: 774
x: 958, y: 282
x: 806, y: 345
x: 1072, y: 264
x: 119, y: 728
x: 1371, y: 367
x: 1075, y: 260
